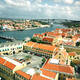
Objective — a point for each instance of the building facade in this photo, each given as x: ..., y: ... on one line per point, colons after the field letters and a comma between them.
x: 11, y: 47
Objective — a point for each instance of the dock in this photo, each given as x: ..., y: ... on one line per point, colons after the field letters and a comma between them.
x: 7, y: 38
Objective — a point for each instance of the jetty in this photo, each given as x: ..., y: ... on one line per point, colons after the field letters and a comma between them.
x: 7, y: 38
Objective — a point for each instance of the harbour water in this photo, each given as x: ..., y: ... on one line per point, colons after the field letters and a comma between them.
x: 21, y: 35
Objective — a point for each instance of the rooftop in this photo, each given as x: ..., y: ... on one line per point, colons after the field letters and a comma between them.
x: 72, y: 53
x: 48, y: 39
x: 11, y: 43
x: 48, y: 73
x: 38, y: 77
x: 40, y: 46
x: 59, y: 68
x: 25, y: 75
x: 7, y: 63
x: 12, y: 61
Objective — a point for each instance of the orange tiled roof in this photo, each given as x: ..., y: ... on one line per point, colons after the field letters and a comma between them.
x: 53, y: 34
x: 9, y: 65
x: 48, y: 39
x: 40, y: 46
x: 65, y: 30
x: 38, y: 35
x: 38, y: 77
x: 30, y: 43
x: 2, y: 60
x: 72, y: 53
x: 77, y: 35
x: 25, y: 75
x: 62, y: 29
x: 46, y: 47
x: 60, y: 68
x: 48, y: 73
x: 56, y: 34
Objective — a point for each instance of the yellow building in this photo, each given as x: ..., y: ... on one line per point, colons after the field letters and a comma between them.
x: 11, y: 47
x: 40, y: 49
x: 8, y: 67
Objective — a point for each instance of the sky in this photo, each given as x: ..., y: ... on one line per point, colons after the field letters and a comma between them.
x: 40, y: 9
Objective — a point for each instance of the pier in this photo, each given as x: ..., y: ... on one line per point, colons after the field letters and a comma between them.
x: 7, y: 38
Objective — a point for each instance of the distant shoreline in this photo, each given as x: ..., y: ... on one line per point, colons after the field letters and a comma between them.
x: 24, y: 29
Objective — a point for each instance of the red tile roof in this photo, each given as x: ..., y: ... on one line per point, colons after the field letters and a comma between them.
x: 77, y: 35
x: 23, y: 74
x: 59, y: 68
x: 38, y: 35
x: 47, y: 39
x: 9, y: 65
x: 38, y: 77
x: 72, y: 53
x: 41, y: 46
x: 30, y: 43
x: 62, y: 29
x: 48, y: 73
x: 53, y: 34
x: 2, y: 60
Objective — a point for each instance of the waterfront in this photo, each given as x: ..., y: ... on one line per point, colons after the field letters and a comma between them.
x: 21, y: 35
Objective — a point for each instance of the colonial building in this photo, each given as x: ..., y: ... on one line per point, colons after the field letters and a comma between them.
x: 8, y: 67
x: 11, y: 47
x: 61, y: 55
x: 20, y: 75
x: 41, y: 49
x: 38, y: 37
x: 64, y: 71
x: 48, y: 40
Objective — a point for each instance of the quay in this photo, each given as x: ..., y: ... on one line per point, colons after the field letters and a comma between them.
x: 7, y: 38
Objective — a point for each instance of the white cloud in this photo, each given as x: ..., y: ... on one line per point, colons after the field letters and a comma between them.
x: 36, y: 9
x: 69, y: 1
x: 64, y: 1
x: 18, y: 3
x: 77, y: 3
x: 57, y: 0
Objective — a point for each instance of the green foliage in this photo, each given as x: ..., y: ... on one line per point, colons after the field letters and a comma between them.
x: 44, y: 23
x: 41, y: 42
x: 72, y: 24
x: 34, y: 26
x: 33, y: 39
x: 78, y: 44
x: 72, y: 64
x: 43, y: 60
x: 69, y: 37
x: 27, y: 57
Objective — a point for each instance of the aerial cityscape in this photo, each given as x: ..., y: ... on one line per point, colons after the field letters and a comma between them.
x: 39, y: 40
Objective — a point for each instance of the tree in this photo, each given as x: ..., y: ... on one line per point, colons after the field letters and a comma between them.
x: 27, y: 57
x: 33, y: 39
x: 43, y: 60
x: 78, y: 44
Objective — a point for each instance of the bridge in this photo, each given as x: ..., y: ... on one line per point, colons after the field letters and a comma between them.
x: 7, y: 38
